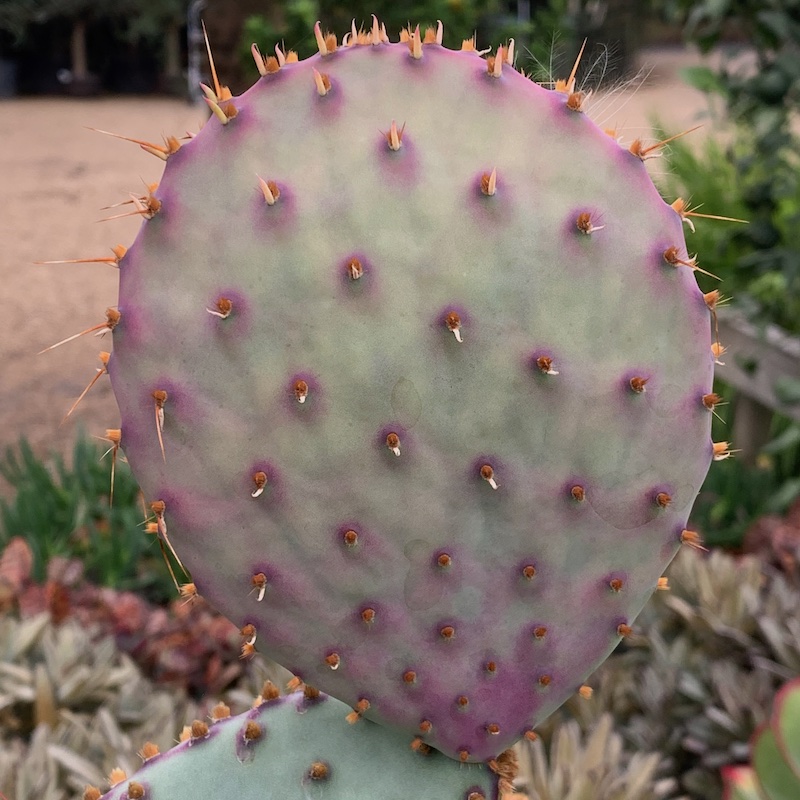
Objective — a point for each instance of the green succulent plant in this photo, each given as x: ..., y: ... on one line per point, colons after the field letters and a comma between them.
x: 774, y: 769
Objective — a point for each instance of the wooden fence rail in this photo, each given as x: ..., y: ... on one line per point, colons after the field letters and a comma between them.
x: 757, y: 359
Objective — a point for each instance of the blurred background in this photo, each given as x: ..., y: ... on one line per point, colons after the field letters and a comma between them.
x: 654, y: 69
x: 86, y: 47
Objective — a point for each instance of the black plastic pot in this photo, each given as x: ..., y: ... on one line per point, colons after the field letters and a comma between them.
x: 8, y: 77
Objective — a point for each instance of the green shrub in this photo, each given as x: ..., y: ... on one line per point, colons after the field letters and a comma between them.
x: 735, y: 495
x: 759, y: 263
x: 759, y: 171
x: 64, y: 511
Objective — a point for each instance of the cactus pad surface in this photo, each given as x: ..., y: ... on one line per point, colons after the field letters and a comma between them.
x: 296, y: 748
x: 414, y: 368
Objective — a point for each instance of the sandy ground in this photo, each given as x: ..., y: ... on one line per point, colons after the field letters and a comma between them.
x: 57, y: 175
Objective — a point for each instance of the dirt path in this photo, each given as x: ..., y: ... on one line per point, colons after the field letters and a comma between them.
x: 56, y: 175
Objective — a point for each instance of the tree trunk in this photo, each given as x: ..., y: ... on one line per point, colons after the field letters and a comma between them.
x: 172, y: 52
x: 82, y: 81
x: 77, y: 49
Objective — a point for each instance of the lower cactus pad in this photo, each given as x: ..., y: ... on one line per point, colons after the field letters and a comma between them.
x: 301, y: 748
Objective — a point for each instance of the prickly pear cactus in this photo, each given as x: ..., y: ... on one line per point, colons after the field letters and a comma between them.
x: 298, y: 748
x: 774, y: 772
x: 414, y: 369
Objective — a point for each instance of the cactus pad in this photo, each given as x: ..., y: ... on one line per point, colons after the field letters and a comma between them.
x: 413, y: 365
x: 297, y: 748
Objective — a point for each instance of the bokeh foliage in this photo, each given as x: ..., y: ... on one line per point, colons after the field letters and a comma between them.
x: 550, y: 25
x: 756, y: 174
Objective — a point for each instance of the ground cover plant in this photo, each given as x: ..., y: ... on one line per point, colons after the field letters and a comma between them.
x: 64, y: 510
x: 669, y: 712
